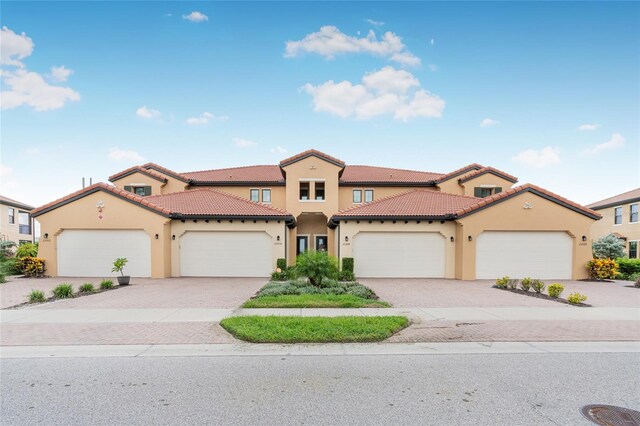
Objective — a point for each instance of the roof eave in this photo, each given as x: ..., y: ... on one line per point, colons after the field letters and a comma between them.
x: 616, y: 204
x: 335, y: 219
x: 429, y: 183
x: 289, y: 220
x: 194, y: 182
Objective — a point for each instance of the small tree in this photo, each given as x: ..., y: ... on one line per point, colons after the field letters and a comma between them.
x: 317, y: 265
x: 609, y: 247
x: 118, y: 265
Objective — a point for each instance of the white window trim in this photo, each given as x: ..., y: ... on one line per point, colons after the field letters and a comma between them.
x: 487, y: 186
x: 621, y: 216
x: 364, y: 196
x: 637, y: 221
x: 361, y: 196
x: 261, y: 195
x: 250, y: 198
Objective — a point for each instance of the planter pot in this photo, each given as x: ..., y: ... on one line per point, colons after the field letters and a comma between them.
x: 124, y: 280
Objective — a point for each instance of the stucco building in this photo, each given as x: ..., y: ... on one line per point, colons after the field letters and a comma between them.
x: 620, y: 218
x: 16, y: 224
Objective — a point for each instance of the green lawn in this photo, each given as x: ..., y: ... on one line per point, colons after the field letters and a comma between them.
x: 274, y: 329
x: 314, y: 301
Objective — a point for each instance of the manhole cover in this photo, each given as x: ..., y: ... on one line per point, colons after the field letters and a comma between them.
x: 609, y: 415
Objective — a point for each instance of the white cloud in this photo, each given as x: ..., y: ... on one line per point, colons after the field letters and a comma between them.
x: 615, y: 141
x: 14, y: 47
x: 5, y: 170
x: 196, y: 16
x: 279, y: 150
x: 384, y: 92
x: 118, y: 154
x: 588, y: 127
x: 375, y: 23
x: 330, y: 41
x: 488, y: 122
x: 29, y: 88
x: 539, y: 158
x: 60, y: 73
x: 243, y: 143
x: 204, y: 118
x: 148, y: 113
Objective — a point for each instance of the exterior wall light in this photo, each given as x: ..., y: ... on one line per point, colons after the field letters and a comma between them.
x: 584, y: 238
x: 46, y: 235
x: 278, y: 238
x: 346, y: 239
x: 469, y: 238
x: 173, y: 237
x: 451, y: 239
x: 156, y: 236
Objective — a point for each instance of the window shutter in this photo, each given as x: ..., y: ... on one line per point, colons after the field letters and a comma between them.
x: 477, y: 192
x: 498, y: 189
x: 147, y: 190
x: 127, y: 188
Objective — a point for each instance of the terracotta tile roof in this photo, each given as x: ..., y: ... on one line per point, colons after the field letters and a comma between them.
x: 100, y: 186
x: 484, y: 170
x: 416, y: 203
x: 460, y: 171
x: 482, y: 202
x: 138, y: 169
x: 625, y: 197
x: 309, y: 153
x: 617, y: 235
x: 8, y: 201
x: 209, y: 202
x: 370, y: 174
x: 165, y: 171
x: 238, y: 174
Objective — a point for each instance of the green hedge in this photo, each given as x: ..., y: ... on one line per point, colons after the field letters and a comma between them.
x: 347, y: 264
x: 281, y: 263
x: 628, y: 267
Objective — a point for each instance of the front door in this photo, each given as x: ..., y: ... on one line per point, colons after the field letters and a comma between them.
x: 321, y: 243
x: 302, y: 244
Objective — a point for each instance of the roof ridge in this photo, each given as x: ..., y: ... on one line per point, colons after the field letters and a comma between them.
x: 459, y: 171
x: 164, y: 170
x: 394, y: 168
x: 230, y: 168
x: 487, y: 169
x: 605, y: 201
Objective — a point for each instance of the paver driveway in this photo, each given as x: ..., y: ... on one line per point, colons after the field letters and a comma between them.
x: 143, y: 293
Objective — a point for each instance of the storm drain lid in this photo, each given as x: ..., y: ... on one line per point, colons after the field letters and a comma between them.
x: 609, y: 415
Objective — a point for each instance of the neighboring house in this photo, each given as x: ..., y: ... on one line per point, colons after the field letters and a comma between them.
x: 620, y: 217
x: 465, y: 224
x: 16, y: 224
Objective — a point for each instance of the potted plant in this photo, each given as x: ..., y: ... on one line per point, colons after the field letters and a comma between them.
x: 118, y: 266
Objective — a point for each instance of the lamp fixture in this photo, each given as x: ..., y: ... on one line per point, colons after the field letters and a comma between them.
x: 469, y: 238
x: 278, y: 238
x: 157, y: 236
x: 346, y: 239
x: 46, y: 235
x: 584, y: 238
x: 173, y: 237
x: 451, y: 239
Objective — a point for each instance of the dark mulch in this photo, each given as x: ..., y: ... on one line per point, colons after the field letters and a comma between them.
x: 53, y: 298
x: 591, y: 280
x: 542, y: 296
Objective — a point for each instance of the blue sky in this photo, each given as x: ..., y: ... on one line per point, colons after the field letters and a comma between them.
x: 546, y: 91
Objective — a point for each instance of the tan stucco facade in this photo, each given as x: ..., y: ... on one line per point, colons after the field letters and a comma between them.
x: 11, y: 231
x: 157, y: 187
x: 606, y: 225
x: 452, y: 186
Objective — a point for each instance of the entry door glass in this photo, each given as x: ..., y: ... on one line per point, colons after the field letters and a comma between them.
x: 321, y: 243
x: 302, y: 245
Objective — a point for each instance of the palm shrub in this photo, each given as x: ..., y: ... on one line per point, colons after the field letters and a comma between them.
x: 10, y: 267
x: 63, y: 291
x: 316, y: 266
x: 602, y: 269
x: 609, y: 247
x: 538, y: 285
x: 27, y: 250
x: 86, y: 288
x: 555, y: 290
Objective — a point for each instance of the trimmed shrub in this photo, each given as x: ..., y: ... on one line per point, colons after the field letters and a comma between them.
x: 86, y: 288
x: 525, y: 284
x: 512, y: 284
x: 36, y: 296
x: 602, y: 269
x: 281, y: 264
x: 316, y: 265
x: 303, y: 287
x: 106, y: 284
x: 347, y: 264
x: 30, y: 266
x: 538, y: 285
x: 346, y: 276
x: 609, y: 247
x: 576, y: 298
x: 629, y: 268
x: 502, y: 282
x: 637, y: 284
x: 63, y: 291
x: 555, y: 290
x: 278, y: 276
x: 27, y: 250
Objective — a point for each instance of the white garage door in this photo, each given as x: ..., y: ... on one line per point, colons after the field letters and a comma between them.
x: 399, y: 255
x: 544, y: 255
x: 226, y: 254
x: 90, y: 253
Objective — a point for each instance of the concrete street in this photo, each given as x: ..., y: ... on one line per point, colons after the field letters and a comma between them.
x: 464, y: 389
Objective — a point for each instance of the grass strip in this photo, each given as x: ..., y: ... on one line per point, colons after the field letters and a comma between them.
x: 289, y: 329
x: 314, y: 301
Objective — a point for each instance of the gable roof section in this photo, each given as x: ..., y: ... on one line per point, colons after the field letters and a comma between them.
x: 415, y: 204
x: 460, y: 171
x: 479, y: 172
x: 386, y: 176
x: 138, y: 169
x: 237, y: 176
x: 11, y: 202
x: 509, y: 193
x: 100, y: 186
x: 616, y: 200
x: 311, y: 153
x: 165, y: 171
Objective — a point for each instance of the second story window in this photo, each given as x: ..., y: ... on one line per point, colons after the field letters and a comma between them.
x: 617, y: 216
x: 320, y: 191
x: 633, y: 213
x: 368, y: 195
x: 266, y: 196
x: 482, y: 192
x: 255, y: 195
x: 304, y: 190
x: 12, y: 215
x: 357, y: 196
x: 24, y: 223
x: 141, y: 190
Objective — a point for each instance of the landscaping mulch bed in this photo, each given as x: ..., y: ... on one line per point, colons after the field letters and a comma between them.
x: 543, y: 296
x: 53, y: 298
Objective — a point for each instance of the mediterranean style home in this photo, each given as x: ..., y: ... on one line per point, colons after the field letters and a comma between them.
x: 467, y: 224
x: 16, y: 224
x: 620, y: 218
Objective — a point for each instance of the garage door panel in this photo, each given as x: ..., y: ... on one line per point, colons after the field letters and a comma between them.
x: 90, y: 253
x: 399, y: 255
x: 225, y: 254
x: 544, y: 255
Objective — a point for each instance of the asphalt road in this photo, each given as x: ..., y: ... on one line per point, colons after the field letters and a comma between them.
x: 496, y: 389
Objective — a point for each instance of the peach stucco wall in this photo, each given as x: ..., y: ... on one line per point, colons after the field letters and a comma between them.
x: 606, y: 225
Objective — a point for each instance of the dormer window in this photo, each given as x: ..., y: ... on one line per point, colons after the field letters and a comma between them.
x: 486, y: 191
x: 141, y: 190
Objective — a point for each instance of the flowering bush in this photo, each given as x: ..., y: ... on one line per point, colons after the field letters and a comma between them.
x: 602, y: 269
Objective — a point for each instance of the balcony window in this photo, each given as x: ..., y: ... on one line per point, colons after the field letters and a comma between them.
x: 24, y: 223
x: 304, y: 190
x: 320, y: 191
